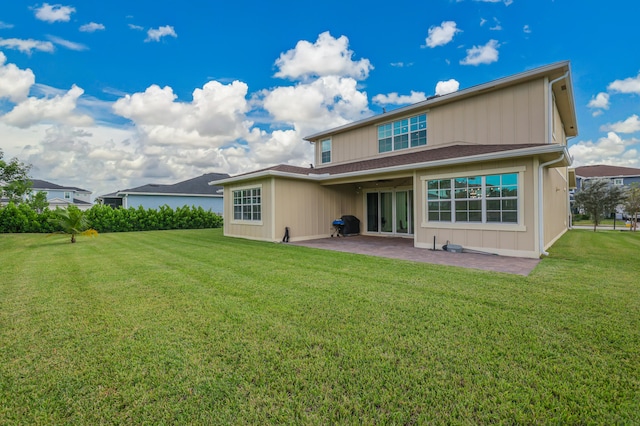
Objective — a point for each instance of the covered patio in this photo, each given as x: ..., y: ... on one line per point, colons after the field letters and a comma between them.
x: 402, y: 248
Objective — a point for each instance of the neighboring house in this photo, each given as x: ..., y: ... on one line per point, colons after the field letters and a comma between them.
x: 62, y: 196
x: 193, y: 192
x: 622, y: 176
x: 485, y: 168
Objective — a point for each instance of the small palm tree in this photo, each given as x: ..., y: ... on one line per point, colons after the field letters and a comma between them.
x: 72, y: 221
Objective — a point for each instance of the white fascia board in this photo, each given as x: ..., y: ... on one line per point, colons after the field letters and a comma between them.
x: 546, y: 149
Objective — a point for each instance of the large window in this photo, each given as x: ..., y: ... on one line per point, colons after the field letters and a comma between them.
x: 479, y: 199
x: 247, y: 204
x: 325, y: 148
x: 402, y: 134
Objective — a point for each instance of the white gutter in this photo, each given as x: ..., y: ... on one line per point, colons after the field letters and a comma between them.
x: 491, y: 156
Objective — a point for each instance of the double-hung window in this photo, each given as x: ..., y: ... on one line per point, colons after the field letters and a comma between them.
x: 247, y: 204
x: 325, y: 151
x: 473, y: 199
x: 403, y: 134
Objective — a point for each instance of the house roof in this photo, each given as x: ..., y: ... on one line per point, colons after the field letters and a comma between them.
x: 562, y: 91
x: 453, y: 154
x: 602, y: 170
x: 197, y: 186
x: 43, y: 185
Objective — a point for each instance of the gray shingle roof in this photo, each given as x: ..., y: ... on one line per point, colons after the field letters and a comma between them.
x: 197, y: 186
x: 39, y: 184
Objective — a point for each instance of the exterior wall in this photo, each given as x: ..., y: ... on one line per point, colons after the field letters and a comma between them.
x: 506, y: 239
x: 306, y: 208
x: 262, y: 230
x: 555, y: 203
x: 511, y: 115
x: 213, y: 204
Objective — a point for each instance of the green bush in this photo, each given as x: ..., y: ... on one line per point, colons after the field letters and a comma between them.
x: 22, y: 218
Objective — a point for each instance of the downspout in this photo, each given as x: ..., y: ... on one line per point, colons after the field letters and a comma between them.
x: 541, y: 203
x: 543, y: 165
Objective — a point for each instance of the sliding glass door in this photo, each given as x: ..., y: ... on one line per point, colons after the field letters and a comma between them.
x: 390, y: 212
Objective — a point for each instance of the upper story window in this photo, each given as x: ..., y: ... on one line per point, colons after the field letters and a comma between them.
x: 325, y: 151
x: 67, y: 195
x: 402, y: 134
x: 618, y: 181
x: 247, y: 204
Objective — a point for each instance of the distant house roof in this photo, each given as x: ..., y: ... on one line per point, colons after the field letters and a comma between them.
x: 605, y: 171
x: 43, y: 185
x: 196, y: 186
x: 427, y: 158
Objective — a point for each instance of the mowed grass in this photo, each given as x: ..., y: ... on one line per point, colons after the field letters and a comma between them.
x: 189, y: 327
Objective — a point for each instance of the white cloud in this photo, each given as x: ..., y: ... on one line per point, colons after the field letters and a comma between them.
x: 27, y: 46
x: 630, y: 125
x: 482, y: 21
x: 482, y: 54
x: 136, y: 27
x: 395, y: 99
x: 506, y: 2
x: 601, y: 100
x: 5, y: 26
x: 446, y: 87
x: 526, y: 29
x: 14, y: 82
x: 628, y: 85
x: 71, y: 45
x: 327, y: 56
x: 59, y: 109
x: 155, y: 34
x: 215, y: 116
x: 54, y: 13
x: 92, y: 27
x: 611, y: 149
x: 441, y: 35
x: 401, y: 64
x: 310, y: 107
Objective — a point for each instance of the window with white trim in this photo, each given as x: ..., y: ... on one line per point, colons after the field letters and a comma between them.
x: 473, y: 199
x: 402, y: 134
x: 247, y: 204
x: 67, y: 195
x: 618, y: 181
x: 325, y: 151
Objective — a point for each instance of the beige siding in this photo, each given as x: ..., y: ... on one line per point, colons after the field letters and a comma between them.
x: 254, y: 231
x: 508, y: 240
x: 511, y: 115
x: 556, y: 210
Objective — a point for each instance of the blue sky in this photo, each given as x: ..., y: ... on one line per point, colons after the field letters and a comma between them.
x: 111, y: 95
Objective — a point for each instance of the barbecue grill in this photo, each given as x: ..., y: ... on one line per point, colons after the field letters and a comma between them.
x: 346, y: 225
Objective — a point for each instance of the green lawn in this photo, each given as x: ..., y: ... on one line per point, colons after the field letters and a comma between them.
x: 177, y: 327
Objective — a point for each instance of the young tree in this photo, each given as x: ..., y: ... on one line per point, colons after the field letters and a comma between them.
x: 632, y: 204
x: 72, y: 221
x: 14, y: 179
x: 599, y: 198
x: 38, y: 201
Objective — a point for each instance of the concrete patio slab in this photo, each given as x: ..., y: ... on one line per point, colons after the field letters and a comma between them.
x: 402, y: 248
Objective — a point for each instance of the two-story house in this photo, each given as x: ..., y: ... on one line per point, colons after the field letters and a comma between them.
x: 621, y: 176
x: 62, y: 196
x: 485, y: 168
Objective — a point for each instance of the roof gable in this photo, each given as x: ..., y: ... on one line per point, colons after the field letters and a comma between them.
x: 195, y: 186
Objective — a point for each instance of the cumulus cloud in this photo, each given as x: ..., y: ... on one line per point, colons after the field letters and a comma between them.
x: 630, y: 125
x: 601, y: 100
x: 155, y: 34
x: 215, y: 116
x: 327, y: 56
x: 611, y: 149
x: 14, y: 82
x: 27, y: 46
x: 441, y: 35
x: 91, y: 27
x: 628, y: 85
x: 446, y: 87
x: 482, y: 54
x: 395, y: 99
x: 310, y: 107
x: 71, y: 45
x: 58, y: 109
x: 54, y: 13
